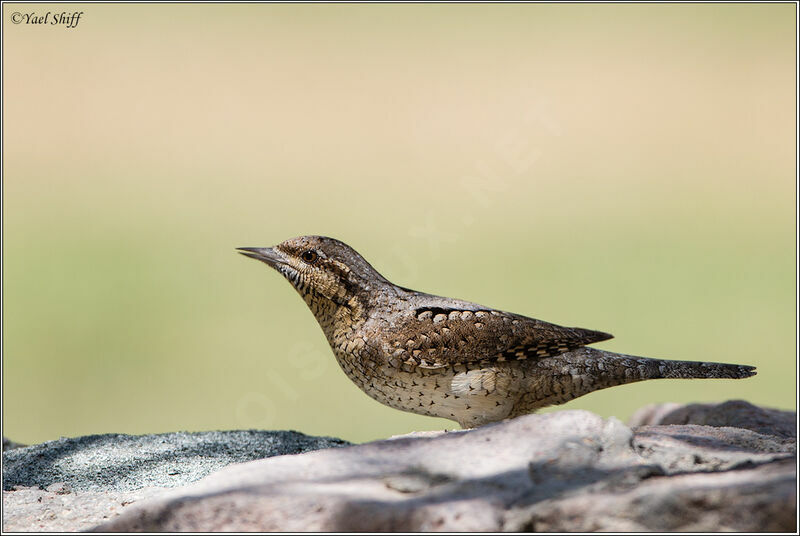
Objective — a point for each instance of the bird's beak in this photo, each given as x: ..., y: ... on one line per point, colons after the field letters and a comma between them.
x: 265, y: 255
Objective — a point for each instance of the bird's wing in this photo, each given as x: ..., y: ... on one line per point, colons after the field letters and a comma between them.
x: 434, y: 337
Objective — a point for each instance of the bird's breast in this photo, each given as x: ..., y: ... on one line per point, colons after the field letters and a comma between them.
x: 467, y: 393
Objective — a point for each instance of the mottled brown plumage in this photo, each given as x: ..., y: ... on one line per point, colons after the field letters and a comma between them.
x: 450, y: 358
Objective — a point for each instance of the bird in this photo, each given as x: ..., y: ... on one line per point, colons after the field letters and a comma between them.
x: 451, y: 358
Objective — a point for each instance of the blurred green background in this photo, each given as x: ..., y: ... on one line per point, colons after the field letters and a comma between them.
x: 626, y: 168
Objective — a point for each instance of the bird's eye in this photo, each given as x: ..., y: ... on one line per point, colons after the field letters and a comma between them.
x: 309, y: 256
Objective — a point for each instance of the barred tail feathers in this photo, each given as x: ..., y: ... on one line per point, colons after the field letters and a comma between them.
x: 559, y: 379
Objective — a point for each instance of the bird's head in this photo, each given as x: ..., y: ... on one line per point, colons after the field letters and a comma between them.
x: 320, y: 268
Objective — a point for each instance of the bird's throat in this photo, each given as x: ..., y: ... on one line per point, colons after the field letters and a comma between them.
x: 335, y: 317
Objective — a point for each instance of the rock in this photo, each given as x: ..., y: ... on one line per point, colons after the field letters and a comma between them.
x: 737, y: 413
x: 77, y: 483
x: 126, y: 462
x: 759, y: 499
x: 31, y: 509
x: 563, y: 471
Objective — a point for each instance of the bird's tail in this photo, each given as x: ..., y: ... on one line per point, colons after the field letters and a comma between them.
x: 567, y: 376
x: 662, y: 368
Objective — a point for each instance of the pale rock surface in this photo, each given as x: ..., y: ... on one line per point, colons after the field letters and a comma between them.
x: 562, y: 471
